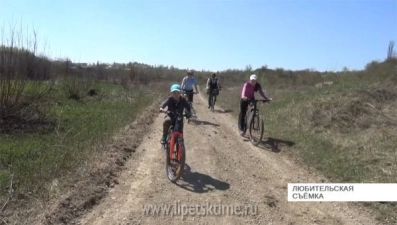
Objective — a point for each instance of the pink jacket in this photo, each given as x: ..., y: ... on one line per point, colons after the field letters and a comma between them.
x: 249, y: 90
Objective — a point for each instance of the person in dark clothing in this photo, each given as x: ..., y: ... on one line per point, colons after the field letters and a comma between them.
x: 212, y: 84
x: 174, y: 103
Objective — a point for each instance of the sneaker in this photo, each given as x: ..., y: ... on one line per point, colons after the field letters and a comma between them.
x: 162, y: 141
x: 242, y: 133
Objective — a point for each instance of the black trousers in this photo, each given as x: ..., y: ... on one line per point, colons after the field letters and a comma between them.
x: 189, y: 95
x: 243, y: 111
x: 209, y: 92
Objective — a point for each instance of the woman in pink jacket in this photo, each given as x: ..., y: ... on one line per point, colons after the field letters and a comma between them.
x: 248, y: 93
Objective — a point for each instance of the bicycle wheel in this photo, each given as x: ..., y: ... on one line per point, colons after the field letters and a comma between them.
x: 175, y: 162
x: 191, y: 110
x: 256, y: 124
x: 212, y: 103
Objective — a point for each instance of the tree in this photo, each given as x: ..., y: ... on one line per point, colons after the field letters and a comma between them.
x: 390, y: 53
x: 248, y: 68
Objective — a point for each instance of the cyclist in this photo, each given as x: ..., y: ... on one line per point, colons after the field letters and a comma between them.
x: 174, y: 103
x: 212, y: 84
x: 248, y: 93
x: 187, y: 85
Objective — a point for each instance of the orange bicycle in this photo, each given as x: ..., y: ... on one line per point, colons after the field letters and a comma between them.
x: 175, y: 148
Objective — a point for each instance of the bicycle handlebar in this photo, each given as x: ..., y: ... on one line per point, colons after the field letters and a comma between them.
x: 170, y: 112
x: 258, y: 100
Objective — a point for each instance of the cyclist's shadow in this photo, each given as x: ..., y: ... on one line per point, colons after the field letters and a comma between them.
x: 200, y: 183
x: 203, y: 122
x: 275, y: 144
x: 272, y: 144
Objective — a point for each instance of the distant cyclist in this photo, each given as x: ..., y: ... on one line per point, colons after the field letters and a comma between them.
x: 248, y: 93
x: 187, y: 88
x: 212, y: 84
x: 187, y: 85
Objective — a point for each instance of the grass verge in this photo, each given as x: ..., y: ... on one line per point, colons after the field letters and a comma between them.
x: 33, y: 160
x: 348, y: 132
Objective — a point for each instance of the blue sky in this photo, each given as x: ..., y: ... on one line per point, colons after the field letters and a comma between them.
x: 213, y: 35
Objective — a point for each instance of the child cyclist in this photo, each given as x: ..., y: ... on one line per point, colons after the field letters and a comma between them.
x: 174, y: 103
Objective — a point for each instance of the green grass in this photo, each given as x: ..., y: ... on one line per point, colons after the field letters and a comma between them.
x: 77, y: 132
x: 335, y: 130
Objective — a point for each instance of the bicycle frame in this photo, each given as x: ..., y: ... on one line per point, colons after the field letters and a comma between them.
x: 187, y: 99
x: 174, y: 145
x: 253, y: 112
x: 254, y: 117
x: 176, y: 135
x: 190, y: 103
x: 213, y: 94
x: 185, y: 95
x: 252, y: 107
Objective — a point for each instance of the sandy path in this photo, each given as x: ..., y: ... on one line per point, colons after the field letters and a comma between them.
x: 223, y: 169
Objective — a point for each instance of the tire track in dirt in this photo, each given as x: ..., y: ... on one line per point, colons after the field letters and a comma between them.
x: 272, y: 172
x: 222, y: 169
x: 150, y: 185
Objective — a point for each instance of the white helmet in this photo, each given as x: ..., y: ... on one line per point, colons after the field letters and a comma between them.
x: 253, y: 77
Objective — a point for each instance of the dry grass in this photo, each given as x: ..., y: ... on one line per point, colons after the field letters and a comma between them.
x: 356, y: 111
x: 346, y: 131
x: 35, y: 163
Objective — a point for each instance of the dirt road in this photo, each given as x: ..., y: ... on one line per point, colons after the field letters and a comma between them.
x: 223, y: 169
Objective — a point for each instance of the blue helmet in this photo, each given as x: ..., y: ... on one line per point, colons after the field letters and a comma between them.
x: 175, y: 87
